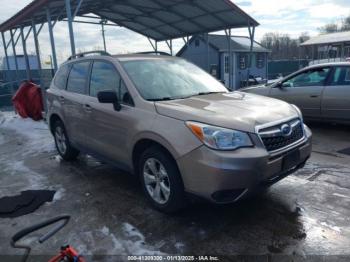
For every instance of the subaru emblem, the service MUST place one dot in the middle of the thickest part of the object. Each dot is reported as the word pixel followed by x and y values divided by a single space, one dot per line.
pixel 286 130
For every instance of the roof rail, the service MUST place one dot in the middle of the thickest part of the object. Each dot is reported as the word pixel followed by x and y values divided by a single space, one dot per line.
pixel 154 53
pixel 80 55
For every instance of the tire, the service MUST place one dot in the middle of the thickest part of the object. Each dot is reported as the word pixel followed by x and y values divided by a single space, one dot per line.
pixel 63 146
pixel 169 201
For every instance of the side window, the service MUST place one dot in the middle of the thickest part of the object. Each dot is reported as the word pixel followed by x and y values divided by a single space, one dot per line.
pixel 61 77
pixel 78 77
pixel 124 95
pixel 313 77
pixel 103 77
pixel 341 76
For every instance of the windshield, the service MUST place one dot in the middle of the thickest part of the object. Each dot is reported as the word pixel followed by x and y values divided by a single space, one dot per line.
pixel 169 79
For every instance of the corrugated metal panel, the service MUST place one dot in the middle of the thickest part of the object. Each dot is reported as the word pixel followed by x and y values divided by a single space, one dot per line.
pixel 338 37
pixel 157 19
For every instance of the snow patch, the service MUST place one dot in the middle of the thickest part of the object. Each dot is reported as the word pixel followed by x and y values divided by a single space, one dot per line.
pixel 37 134
pixel 137 245
pixel 127 241
pixel 59 194
pixel 334 228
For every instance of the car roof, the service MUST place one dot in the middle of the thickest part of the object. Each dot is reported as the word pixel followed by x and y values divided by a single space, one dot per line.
pixel 328 64
pixel 131 57
pixel 124 57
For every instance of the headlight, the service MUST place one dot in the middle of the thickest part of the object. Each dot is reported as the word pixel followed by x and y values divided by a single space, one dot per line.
pixel 298 111
pixel 219 138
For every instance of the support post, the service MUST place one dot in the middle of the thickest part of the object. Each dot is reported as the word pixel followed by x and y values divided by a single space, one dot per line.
pixel 26 59
pixel 208 60
pixel 5 50
pixel 14 55
pixel 171 47
pixel 37 50
pixel 230 72
pixel 70 26
pixel 52 40
pixel 251 36
pixel 103 35
pixel 7 62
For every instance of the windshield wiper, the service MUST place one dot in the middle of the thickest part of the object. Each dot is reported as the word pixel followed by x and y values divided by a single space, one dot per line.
pixel 208 93
pixel 160 99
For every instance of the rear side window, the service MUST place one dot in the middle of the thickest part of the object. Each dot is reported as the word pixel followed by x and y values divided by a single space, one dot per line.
pixel 78 77
pixel 341 76
pixel 61 77
pixel 103 77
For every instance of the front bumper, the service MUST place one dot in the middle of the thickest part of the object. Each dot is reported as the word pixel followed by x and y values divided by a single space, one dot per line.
pixel 227 176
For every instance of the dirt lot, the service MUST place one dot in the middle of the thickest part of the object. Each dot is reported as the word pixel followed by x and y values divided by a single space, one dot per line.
pixel 305 215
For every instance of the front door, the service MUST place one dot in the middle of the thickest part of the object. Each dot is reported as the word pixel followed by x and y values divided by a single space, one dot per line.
pixel 336 96
pixel 304 90
pixel 108 130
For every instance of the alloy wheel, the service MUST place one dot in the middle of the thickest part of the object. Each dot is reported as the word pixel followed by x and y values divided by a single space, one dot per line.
pixel 156 181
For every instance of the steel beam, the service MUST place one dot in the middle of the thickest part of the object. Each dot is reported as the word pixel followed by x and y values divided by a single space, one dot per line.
pixel 41 27
pixel 170 45
pixel 77 9
pixel 103 34
pixel 230 75
pixel 26 59
pixel 70 26
pixel 28 33
pixel 208 58
pixel 52 40
pixel 36 43
pixel 154 46
pixel 5 51
pixel 91 23
pixel 251 36
pixel 14 54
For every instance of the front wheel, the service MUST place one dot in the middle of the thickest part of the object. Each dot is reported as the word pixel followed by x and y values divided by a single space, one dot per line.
pixel 161 180
pixel 63 146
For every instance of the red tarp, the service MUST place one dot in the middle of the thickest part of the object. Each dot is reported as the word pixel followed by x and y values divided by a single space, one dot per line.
pixel 28 101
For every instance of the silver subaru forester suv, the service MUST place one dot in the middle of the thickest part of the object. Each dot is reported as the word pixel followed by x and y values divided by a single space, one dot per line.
pixel 173 125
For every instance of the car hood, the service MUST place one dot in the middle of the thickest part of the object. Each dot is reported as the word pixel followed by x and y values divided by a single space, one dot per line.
pixel 255 87
pixel 240 111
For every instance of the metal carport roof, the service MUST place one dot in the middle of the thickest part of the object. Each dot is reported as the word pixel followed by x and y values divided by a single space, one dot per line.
pixel 157 19
pixel 332 38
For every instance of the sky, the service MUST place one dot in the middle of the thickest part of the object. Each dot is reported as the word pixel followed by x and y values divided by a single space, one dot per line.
pixel 284 16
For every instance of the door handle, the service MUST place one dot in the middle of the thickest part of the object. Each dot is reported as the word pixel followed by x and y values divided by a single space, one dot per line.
pixel 62 99
pixel 87 108
pixel 314 96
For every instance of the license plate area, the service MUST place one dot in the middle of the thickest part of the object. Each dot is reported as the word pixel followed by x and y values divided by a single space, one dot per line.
pixel 291 160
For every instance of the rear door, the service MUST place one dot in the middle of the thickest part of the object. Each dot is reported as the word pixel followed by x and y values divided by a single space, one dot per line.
pixel 73 99
pixel 304 90
pixel 336 96
pixel 108 130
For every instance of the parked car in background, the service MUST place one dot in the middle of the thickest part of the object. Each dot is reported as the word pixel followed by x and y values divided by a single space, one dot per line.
pixel 175 126
pixel 322 92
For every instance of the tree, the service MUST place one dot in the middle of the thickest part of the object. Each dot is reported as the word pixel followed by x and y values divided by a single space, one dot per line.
pixel 282 46
pixel 341 26
pixel 329 28
pixel 345 24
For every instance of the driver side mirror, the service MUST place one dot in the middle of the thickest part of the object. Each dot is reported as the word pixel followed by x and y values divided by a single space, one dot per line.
pixel 283 85
pixel 109 97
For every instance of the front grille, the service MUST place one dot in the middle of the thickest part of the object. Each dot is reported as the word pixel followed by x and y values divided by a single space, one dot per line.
pixel 274 139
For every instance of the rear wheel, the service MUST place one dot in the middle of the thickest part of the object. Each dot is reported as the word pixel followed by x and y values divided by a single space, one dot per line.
pixel 63 146
pixel 161 180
